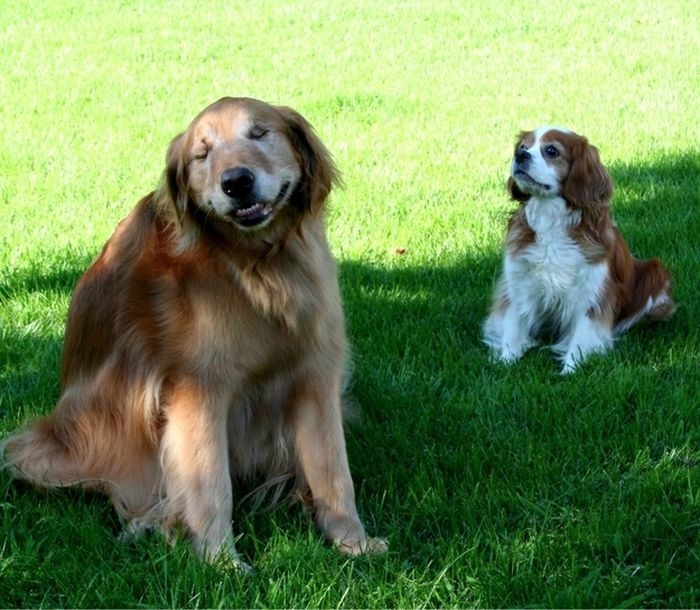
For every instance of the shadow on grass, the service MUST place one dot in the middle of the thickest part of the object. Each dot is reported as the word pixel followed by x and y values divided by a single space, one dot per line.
pixel 30 349
pixel 462 447
pixel 658 205
pixel 48 273
pixel 671 177
pixel 418 317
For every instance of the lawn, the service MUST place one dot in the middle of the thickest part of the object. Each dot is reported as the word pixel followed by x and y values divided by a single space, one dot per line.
pixel 496 486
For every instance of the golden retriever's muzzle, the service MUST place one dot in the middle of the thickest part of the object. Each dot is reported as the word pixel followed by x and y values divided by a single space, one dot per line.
pixel 248 208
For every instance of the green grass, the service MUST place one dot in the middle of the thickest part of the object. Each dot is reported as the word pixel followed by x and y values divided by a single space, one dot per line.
pixel 496 486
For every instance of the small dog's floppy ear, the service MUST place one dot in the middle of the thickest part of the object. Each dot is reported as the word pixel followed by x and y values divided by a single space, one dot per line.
pixel 588 184
pixel 319 172
pixel 513 189
pixel 515 192
pixel 176 175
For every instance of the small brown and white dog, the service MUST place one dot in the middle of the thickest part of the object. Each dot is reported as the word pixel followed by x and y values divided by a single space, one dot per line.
pixel 207 342
pixel 567 271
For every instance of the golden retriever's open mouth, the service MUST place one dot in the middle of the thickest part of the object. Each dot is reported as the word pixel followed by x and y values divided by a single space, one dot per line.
pixel 260 211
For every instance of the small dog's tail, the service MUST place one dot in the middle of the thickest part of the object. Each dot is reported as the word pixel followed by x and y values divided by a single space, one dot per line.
pixel 648 297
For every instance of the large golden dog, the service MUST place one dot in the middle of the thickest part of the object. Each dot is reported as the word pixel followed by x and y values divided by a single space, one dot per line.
pixel 207 341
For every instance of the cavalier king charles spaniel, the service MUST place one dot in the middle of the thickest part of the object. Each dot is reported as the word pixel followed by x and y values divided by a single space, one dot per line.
pixel 568 274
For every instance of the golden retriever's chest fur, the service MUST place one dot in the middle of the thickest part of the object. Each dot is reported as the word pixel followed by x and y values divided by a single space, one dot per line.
pixel 228 321
pixel 288 312
pixel 200 312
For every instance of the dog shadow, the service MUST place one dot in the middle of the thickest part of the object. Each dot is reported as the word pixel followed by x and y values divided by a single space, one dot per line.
pixel 657 206
pixel 31 348
pixel 419 366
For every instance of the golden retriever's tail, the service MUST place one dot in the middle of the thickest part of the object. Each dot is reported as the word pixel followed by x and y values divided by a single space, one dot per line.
pixel 269 493
pixel 39 456
pixel 36 455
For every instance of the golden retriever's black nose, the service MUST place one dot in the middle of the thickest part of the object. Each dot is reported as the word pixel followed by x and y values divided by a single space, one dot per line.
pixel 237 182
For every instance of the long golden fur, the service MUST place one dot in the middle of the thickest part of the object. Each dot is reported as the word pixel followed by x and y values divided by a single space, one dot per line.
pixel 207 341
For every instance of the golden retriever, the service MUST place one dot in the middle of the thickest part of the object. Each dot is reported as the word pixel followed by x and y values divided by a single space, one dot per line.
pixel 207 341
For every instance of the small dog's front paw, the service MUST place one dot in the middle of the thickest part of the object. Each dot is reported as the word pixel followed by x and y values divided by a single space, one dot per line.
pixel 507 356
pixel 568 368
pixel 513 348
pixel 571 360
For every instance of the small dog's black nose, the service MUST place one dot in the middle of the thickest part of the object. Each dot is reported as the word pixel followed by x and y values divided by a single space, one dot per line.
pixel 522 156
pixel 237 182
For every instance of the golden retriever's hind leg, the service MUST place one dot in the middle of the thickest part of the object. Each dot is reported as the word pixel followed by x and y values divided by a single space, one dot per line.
pixel 320 445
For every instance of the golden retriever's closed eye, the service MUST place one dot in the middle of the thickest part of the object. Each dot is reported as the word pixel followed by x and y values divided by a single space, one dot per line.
pixel 207 341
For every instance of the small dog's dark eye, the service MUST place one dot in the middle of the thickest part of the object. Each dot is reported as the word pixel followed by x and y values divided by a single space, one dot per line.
pixel 551 151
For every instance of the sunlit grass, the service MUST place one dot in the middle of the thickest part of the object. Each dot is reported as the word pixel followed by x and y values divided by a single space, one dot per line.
pixel 495 486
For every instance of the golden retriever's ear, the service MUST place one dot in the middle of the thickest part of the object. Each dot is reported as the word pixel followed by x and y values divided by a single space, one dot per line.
pixel 174 185
pixel 588 184
pixel 319 170
pixel 515 192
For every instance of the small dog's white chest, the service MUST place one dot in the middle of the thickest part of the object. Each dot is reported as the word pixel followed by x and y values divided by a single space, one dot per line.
pixel 553 267
pixel 554 264
pixel 554 272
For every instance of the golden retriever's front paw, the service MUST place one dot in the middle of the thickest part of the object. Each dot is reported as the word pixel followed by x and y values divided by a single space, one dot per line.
pixel 376 546
pixel 229 560
pixel 235 564
pixel 365 546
